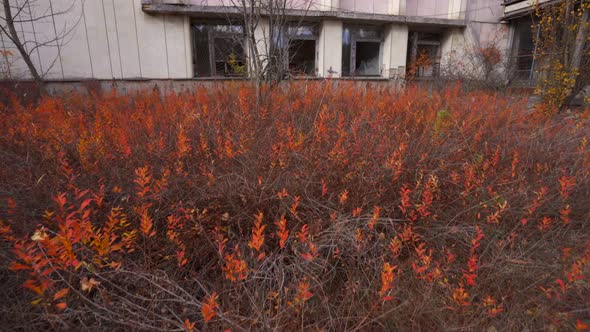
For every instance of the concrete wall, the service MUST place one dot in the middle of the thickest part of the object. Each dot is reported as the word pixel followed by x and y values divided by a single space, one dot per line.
pixel 107 39
pixel 293 4
pixel 395 49
pixel 115 39
pixel 430 8
pixel 330 49
pixel 484 29
pixel 518 6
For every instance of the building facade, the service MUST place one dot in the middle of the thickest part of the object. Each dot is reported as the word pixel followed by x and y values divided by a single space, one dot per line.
pixel 200 39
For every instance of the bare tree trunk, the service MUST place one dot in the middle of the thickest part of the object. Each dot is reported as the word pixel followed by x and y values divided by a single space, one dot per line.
pixel 578 53
pixel 13 36
pixel 270 67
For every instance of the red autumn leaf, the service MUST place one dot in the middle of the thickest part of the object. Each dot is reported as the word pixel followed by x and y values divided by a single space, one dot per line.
pixel 85 203
pixel 561 284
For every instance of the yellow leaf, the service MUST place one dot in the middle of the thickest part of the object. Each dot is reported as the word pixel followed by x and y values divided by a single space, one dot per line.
pixel 39 235
pixel 88 284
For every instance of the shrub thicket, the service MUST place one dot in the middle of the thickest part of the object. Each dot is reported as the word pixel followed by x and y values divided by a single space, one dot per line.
pixel 317 208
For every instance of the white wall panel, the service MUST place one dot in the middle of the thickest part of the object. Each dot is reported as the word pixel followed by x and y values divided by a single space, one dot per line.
pixel 97 40
pixel 46 28
pixel 13 67
pixel 395 48
pixel 152 44
pixel 330 45
pixel 112 31
pixel 27 32
pixel 125 13
pixel 74 45
pixel 177 45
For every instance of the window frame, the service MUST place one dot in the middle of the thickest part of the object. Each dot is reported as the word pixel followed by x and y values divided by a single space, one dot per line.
pixel 355 38
pixel 516 53
pixel 212 35
pixel 289 37
pixel 417 39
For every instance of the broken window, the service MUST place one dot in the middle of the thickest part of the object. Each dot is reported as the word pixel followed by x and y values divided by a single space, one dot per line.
pixel 302 57
pixel 297 43
pixel 523 50
pixel 302 49
pixel 218 50
pixel 424 54
pixel 361 50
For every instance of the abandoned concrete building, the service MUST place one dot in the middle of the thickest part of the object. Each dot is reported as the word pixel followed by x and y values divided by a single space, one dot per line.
pixel 200 39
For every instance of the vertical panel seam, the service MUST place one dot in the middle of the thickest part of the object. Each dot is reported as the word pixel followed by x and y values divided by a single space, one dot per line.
pixel 87 39
pixel 166 46
pixel 117 35
pixel 324 71
pixel 137 39
pixel 106 31
pixel 184 44
pixel 56 40
pixel 35 37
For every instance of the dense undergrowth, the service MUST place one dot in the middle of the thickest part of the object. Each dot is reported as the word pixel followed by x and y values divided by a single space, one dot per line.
pixel 320 208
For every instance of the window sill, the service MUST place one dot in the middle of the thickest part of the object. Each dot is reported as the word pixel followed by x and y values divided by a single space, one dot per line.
pixel 219 78
pixel 364 78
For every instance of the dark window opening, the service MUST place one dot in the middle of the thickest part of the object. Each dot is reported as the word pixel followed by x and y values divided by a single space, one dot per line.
pixel 346 54
pixel 201 64
pixel 523 50
pixel 302 57
pixel 229 59
pixel 296 45
pixel 361 51
pixel 218 50
pixel 423 54
pixel 367 58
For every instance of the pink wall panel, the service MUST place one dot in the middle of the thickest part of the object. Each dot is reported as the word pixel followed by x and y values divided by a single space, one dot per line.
pixel 432 8
pixel 477 10
pixel 381 6
pixel 426 7
pixel 347 4
pixel 485 10
pixel 303 4
pixel 206 2
pixel 441 9
pixel 412 7
pixel 365 6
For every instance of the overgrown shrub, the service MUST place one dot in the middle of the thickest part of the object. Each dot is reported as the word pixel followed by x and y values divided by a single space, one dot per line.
pixel 318 207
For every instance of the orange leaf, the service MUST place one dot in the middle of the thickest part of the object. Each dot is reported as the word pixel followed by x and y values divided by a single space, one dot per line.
pixel 61 306
pixel 61 294
pixel 190 327
pixel 343 197
pixel 86 203
pixel 581 326
pixel 209 307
